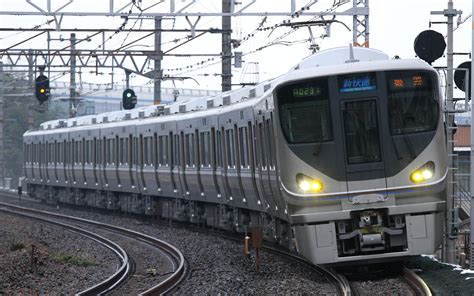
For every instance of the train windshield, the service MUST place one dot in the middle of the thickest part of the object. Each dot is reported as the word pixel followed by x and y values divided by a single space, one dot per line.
pixel 412 102
pixel 304 111
pixel 361 131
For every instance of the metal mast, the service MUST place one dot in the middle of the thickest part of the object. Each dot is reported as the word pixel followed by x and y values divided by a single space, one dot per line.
pixel 158 57
pixel 360 24
pixel 450 236
pixel 72 91
pixel 471 261
pixel 226 47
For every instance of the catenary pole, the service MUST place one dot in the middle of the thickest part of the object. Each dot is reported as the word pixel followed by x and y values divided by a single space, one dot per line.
pixel 72 90
pixel 226 47
pixel 158 58
pixel 471 241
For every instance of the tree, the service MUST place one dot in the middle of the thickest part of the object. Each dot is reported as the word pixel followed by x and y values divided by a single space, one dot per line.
pixel 18 100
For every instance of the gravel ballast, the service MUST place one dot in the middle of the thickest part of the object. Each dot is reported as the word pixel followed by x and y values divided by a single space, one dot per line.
pixel 442 278
pixel 216 266
pixel 39 258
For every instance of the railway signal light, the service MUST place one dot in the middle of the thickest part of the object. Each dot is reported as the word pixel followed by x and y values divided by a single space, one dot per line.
pixel 42 90
pixel 129 99
pixel 429 46
pixel 460 77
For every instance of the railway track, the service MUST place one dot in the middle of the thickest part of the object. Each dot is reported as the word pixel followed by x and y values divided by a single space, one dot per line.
pixel 403 280
pixel 344 286
pixel 124 273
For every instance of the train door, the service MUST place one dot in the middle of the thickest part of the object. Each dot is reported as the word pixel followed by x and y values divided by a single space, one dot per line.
pixel 362 144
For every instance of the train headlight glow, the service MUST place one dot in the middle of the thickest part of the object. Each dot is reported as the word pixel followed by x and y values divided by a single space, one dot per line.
pixel 304 185
pixel 424 173
pixel 308 184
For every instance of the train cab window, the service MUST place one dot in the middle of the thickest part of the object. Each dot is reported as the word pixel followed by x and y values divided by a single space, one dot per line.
pixel 361 131
pixel 189 150
pixel 412 102
pixel 163 150
pixel 304 111
pixel 205 149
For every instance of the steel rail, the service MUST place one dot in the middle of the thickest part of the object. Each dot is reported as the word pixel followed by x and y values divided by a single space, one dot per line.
pixel 173 252
pixel 416 282
pixel 342 283
pixel 112 281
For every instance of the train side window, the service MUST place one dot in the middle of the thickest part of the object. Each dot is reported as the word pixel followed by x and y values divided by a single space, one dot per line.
pixel 163 153
pixel 189 150
pixel 46 153
pixel 218 147
pixel 145 149
pixel 79 152
pixel 243 147
pixel 72 149
pixel 263 148
pixel 154 152
pixel 87 152
pixel 230 148
pixel 205 149
pixel 64 152
pixel 149 150
pixel 176 151
pixel 53 153
pixel 270 144
pixel 122 151
pixel 129 150
pixel 108 154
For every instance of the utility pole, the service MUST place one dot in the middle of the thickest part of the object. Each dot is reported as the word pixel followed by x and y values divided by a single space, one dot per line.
pixel 158 58
pixel 2 150
pixel 72 90
pixel 31 87
pixel 450 231
pixel 471 241
pixel 226 47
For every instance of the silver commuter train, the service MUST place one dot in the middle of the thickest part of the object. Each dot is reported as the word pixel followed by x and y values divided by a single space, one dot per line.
pixel 343 157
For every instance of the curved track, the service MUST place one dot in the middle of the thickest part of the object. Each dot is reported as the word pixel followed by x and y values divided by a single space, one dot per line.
pixel 174 255
pixel 373 283
pixel 123 271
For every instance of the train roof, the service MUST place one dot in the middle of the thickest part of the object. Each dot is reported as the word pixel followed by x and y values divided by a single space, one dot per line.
pixel 328 62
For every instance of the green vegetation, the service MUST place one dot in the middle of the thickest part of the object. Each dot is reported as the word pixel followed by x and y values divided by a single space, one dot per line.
pixel 19 101
pixel 73 260
pixel 15 246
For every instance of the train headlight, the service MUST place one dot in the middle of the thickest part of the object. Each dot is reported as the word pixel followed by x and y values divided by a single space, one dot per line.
pixel 424 173
pixel 308 184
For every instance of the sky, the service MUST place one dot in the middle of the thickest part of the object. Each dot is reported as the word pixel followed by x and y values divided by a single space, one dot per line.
pixel 393 27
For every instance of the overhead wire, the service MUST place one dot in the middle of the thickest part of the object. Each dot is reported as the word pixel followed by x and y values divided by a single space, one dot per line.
pixel 278 40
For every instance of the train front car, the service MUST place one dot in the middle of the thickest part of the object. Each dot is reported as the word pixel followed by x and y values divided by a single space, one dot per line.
pixel 362 156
